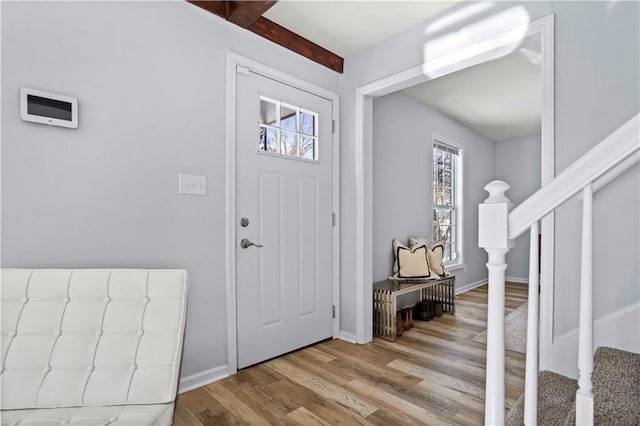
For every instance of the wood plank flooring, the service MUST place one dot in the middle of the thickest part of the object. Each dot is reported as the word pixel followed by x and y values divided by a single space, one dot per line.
pixel 433 374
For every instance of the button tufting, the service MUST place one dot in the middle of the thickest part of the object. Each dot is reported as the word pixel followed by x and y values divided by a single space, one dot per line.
pixel 107 299
pixel 140 332
pixel 99 333
pixel 65 300
pixel 24 299
pixel 145 300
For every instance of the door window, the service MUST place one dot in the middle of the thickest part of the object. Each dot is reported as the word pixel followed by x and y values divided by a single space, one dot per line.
pixel 287 130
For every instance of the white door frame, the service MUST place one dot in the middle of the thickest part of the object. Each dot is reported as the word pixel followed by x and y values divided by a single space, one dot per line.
pixel 233 61
pixel 543 29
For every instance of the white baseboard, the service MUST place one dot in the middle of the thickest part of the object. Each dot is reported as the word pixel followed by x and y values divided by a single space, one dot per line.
pixel 483 281
pixel 619 330
pixel 348 337
pixel 471 286
pixel 202 378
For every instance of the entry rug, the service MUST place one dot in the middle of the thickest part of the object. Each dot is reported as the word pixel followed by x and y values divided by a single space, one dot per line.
pixel 515 330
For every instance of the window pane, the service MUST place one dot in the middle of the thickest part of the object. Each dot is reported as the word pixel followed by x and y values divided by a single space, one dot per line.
pixel 438 218
pixel 447 252
pixel 307 147
pixel 268 139
pixel 262 139
pixel 444 199
pixel 437 233
pixel 289 143
pixel 288 118
pixel 307 123
pixel 267 112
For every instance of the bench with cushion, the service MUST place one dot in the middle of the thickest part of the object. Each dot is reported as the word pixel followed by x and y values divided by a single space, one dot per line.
pixel 90 346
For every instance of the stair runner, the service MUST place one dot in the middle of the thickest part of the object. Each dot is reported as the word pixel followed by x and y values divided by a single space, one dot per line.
pixel 616 389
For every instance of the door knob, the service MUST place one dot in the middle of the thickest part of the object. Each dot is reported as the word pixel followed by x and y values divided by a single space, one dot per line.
pixel 245 243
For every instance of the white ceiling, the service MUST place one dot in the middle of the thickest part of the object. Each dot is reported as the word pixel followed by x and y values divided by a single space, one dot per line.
pixel 500 99
pixel 346 27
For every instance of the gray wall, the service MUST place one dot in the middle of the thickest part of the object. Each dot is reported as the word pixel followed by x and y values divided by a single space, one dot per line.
pixel 518 164
pixel 597 51
pixel 402 164
pixel 150 79
pixel 597 90
pixel 105 194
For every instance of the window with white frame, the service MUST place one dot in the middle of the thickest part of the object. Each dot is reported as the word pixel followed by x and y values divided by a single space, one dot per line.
pixel 287 130
pixel 447 198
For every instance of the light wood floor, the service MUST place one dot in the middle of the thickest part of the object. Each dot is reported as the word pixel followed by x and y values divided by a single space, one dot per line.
pixel 433 374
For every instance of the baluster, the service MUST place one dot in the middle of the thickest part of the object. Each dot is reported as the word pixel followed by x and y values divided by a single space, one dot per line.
pixel 493 236
pixel 531 376
pixel 584 395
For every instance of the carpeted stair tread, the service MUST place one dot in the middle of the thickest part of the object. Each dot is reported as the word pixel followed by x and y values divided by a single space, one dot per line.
pixel 556 394
pixel 616 388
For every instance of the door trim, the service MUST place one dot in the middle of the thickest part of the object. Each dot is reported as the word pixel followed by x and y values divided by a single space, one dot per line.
pixel 233 61
pixel 543 28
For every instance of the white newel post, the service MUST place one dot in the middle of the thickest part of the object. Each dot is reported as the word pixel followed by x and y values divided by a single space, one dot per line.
pixel 493 236
pixel 584 395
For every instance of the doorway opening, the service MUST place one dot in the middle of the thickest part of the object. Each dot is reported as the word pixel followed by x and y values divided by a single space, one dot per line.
pixel 537 32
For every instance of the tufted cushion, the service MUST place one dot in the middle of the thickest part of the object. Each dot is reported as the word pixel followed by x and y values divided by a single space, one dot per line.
pixel 115 415
pixel 90 337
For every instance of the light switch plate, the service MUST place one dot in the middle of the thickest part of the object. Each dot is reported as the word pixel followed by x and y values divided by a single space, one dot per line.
pixel 192 184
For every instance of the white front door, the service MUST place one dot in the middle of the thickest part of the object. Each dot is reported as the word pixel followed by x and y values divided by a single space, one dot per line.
pixel 284 218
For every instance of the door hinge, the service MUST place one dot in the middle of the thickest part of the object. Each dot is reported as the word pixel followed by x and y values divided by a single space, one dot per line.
pixel 333 219
pixel 333 126
pixel 242 70
pixel 333 311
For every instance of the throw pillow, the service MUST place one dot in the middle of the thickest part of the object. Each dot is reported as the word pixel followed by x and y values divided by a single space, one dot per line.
pixel 435 255
pixel 416 241
pixel 394 246
pixel 412 263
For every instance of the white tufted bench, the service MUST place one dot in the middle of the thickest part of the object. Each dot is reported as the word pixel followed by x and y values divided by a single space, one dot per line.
pixel 90 346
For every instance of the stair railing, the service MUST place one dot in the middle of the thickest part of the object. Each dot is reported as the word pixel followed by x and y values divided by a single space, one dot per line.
pixel 499 227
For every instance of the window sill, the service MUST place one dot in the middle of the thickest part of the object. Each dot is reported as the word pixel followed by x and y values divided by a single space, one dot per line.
pixel 455 266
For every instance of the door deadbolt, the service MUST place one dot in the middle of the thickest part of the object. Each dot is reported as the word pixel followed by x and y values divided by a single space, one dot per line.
pixel 244 222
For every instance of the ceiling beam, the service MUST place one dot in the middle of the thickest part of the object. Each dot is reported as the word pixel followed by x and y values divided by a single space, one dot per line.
pixel 247 14
pixel 219 8
pixel 292 41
